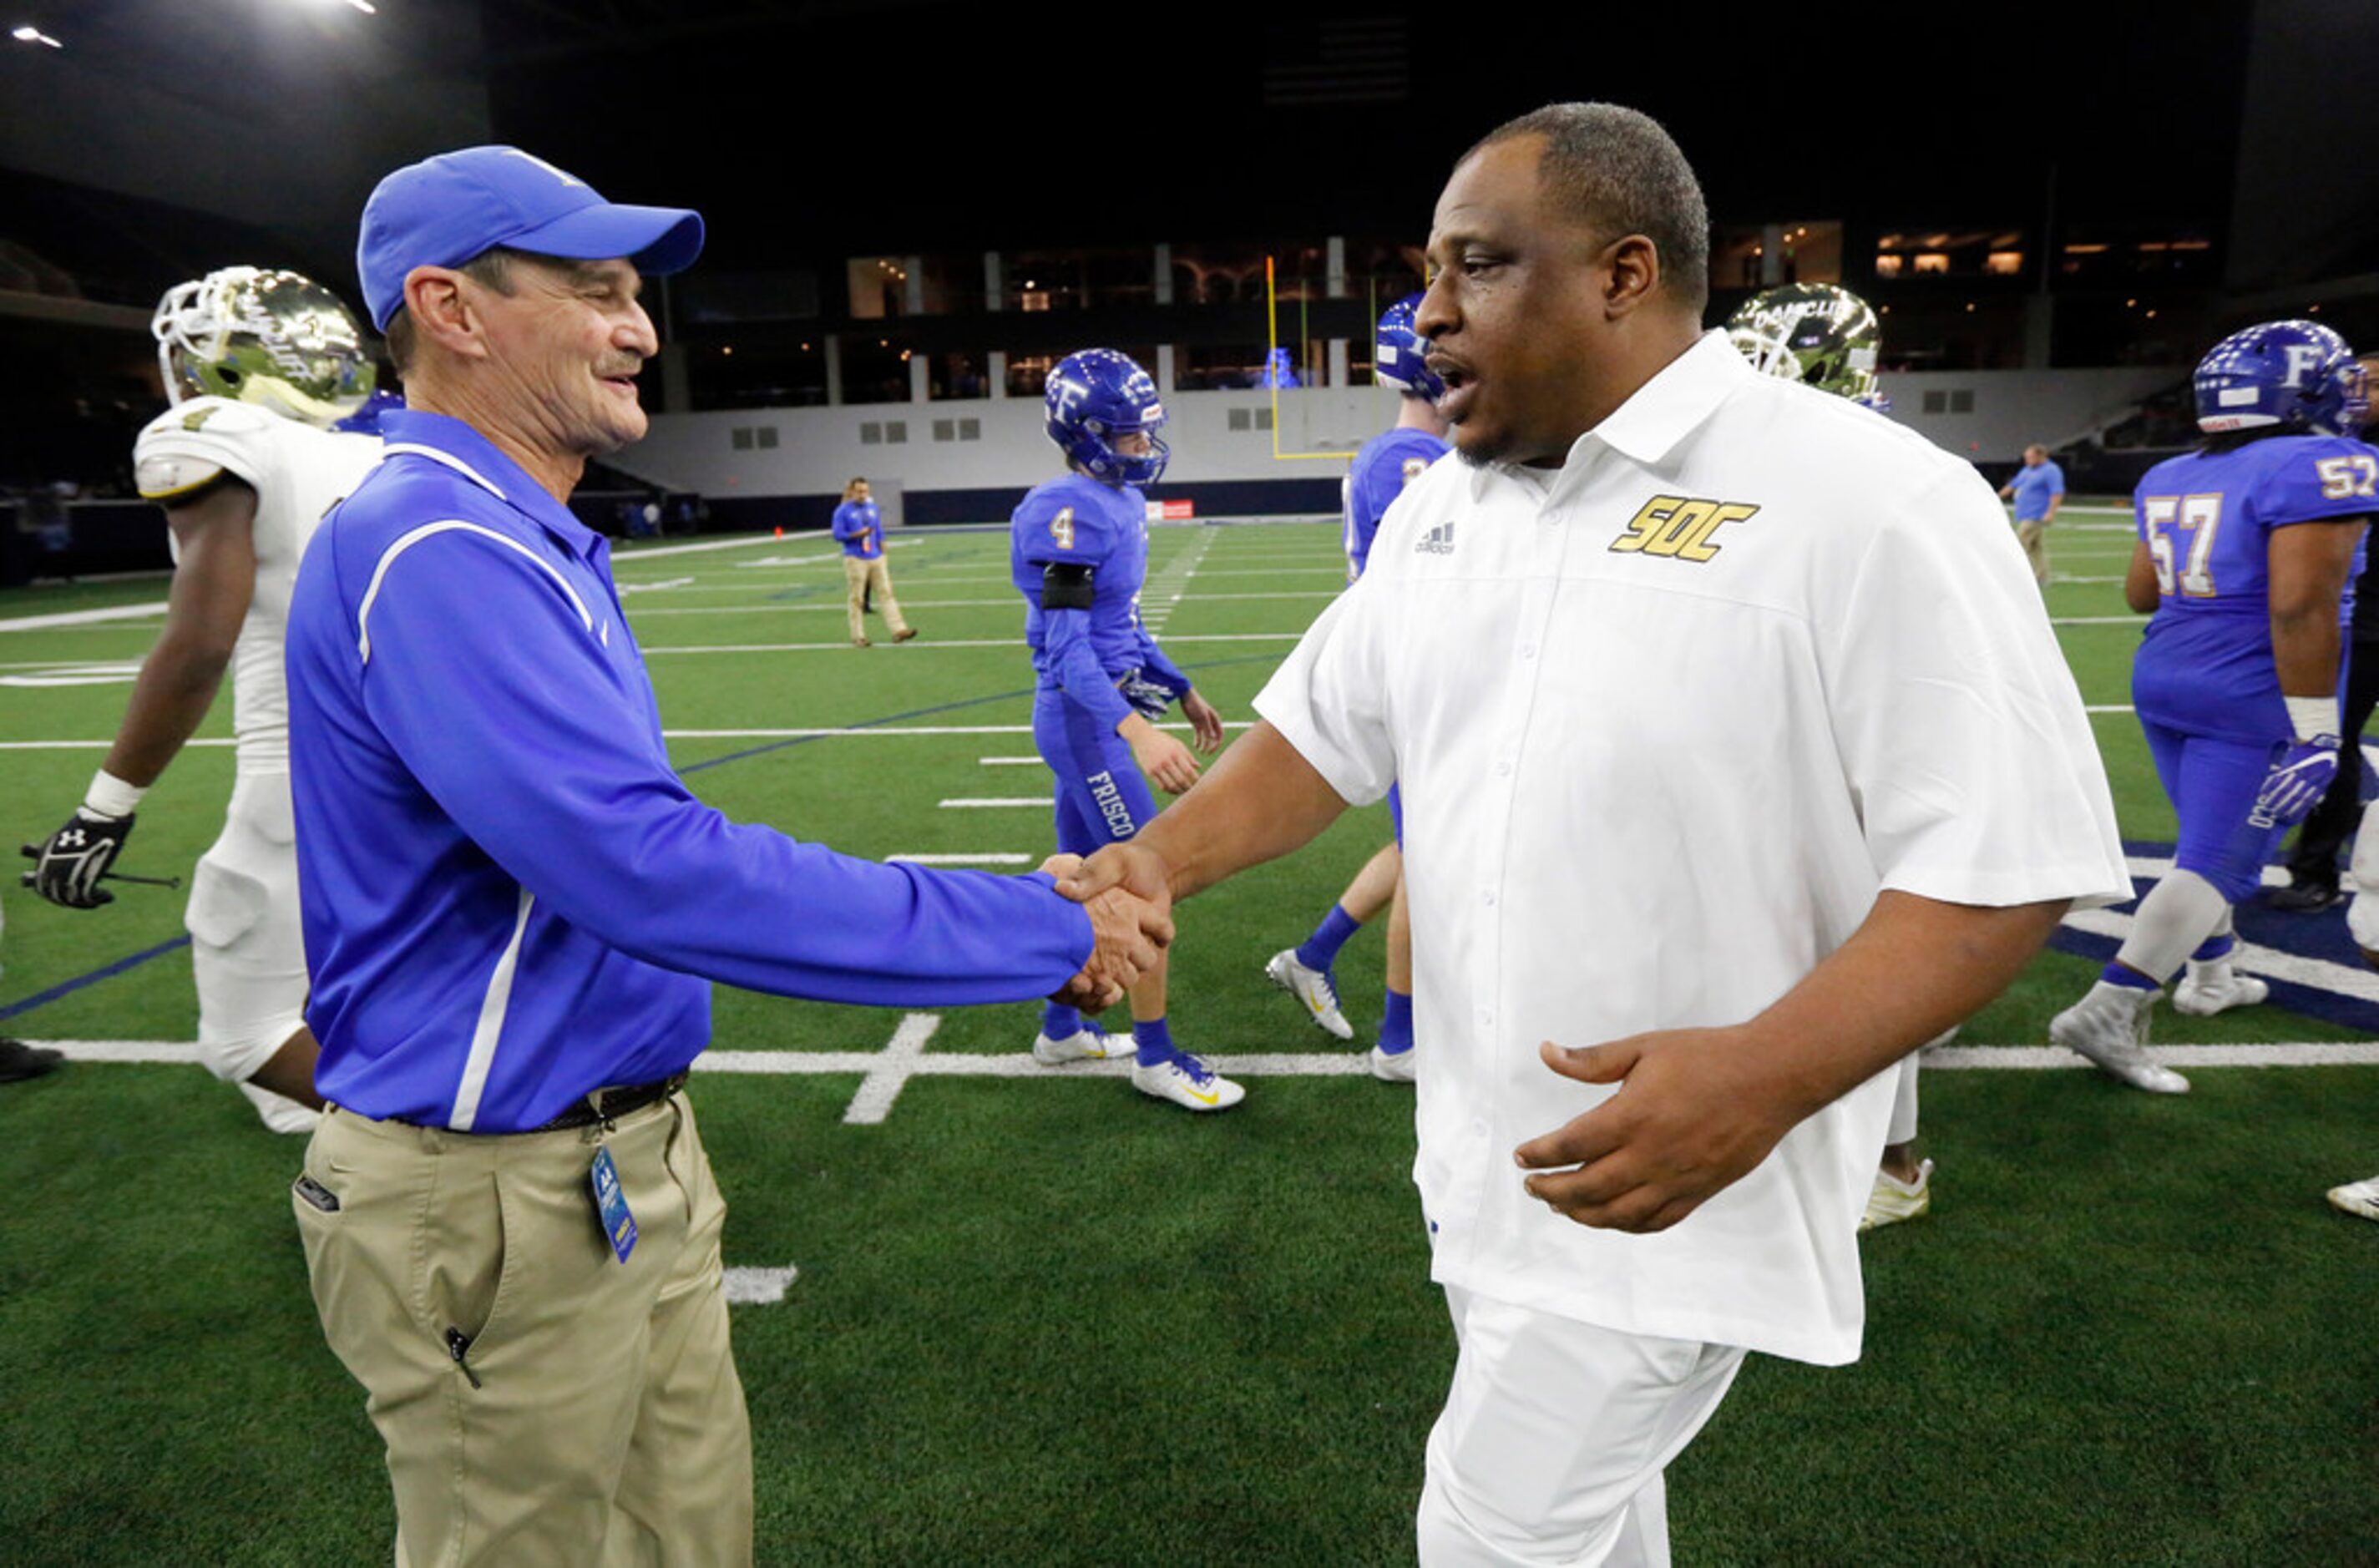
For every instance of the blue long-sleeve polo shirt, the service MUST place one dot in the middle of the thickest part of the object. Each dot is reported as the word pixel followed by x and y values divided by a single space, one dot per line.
pixel 510 899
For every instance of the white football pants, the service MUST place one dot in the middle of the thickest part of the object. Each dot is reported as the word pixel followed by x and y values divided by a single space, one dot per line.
pixel 1553 1437
pixel 247 951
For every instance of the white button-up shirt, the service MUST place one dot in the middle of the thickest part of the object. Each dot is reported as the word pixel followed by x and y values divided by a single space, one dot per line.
pixel 1668 718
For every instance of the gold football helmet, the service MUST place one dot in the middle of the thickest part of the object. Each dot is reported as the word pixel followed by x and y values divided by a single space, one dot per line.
pixel 1819 333
pixel 257 335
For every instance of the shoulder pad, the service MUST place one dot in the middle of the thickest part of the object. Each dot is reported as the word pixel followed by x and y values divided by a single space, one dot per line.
pixel 192 443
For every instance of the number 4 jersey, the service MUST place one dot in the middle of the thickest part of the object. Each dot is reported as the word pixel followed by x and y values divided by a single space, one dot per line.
pixel 2205 663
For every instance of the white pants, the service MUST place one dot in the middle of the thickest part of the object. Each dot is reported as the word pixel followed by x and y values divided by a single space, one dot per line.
pixel 247 948
pixel 1553 1437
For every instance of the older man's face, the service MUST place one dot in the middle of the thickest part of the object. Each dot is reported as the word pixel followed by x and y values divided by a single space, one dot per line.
pixel 570 339
pixel 1512 314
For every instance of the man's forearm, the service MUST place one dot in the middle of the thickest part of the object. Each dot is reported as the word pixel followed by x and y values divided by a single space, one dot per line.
pixel 1259 800
pixel 2305 646
pixel 170 698
pixel 1914 967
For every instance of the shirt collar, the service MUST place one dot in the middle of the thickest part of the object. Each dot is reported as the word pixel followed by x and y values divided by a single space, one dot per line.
pixel 1658 415
pixel 478 459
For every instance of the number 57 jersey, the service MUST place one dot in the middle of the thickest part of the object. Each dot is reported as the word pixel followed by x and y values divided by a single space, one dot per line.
pixel 2205 663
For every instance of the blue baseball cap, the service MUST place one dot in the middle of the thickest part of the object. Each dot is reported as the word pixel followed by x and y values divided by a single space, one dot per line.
pixel 444 211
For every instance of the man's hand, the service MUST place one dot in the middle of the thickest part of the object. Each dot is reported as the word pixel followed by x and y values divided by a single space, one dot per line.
pixel 71 861
pixel 1128 933
pixel 1205 724
pixel 2297 782
pixel 1163 758
pixel 1131 866
pixel 1692 1113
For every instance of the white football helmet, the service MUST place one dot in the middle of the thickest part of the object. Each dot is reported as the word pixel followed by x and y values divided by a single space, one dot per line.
pixel 257 335
pixel 1819 333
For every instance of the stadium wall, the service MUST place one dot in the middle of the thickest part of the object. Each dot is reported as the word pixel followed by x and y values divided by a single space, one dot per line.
pixel 969 461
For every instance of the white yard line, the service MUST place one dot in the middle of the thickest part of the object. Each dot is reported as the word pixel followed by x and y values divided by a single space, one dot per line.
pixel 841 734
pixel 83 617
pixel 885 1072
pixel 893 1068
pixel 1010 762
pixel 989 858
pixel 971 803
pixel 759 1287
pixel 930 645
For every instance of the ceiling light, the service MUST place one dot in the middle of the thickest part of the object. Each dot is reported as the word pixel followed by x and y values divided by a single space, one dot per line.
pixel 35 35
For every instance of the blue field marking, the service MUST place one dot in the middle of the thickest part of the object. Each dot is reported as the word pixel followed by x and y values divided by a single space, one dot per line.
pixel 2319 935
pixel 934 711
pixel 68 987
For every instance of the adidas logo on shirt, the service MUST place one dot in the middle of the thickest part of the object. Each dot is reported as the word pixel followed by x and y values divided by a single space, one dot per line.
pixel 1437 541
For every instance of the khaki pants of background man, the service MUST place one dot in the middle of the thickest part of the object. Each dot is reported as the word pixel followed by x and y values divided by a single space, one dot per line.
pixel 2034 538
pixel 863 578
pixel 593 1414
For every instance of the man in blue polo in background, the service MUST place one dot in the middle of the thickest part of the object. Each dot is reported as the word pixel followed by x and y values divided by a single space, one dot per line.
pixel 2038 488
pixel 513 909
pixel 859 524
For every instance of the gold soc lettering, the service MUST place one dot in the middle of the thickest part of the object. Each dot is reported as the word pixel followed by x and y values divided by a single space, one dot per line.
pixel 1678 527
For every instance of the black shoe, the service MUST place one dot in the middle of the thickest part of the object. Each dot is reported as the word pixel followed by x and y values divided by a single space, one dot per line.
pixel 2306 898
pixel 20 1060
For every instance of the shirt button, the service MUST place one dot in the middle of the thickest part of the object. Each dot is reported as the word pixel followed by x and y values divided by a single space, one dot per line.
pixel 1479 1130
pixel 1503 770
pixel 1488 898
pixel 1528 650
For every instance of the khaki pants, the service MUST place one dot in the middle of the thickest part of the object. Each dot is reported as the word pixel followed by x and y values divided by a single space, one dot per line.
pixel 862 577
pixel 2034 538
pixel 606 1424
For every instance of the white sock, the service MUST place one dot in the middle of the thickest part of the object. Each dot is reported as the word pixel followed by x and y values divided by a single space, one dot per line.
pixel 2177 915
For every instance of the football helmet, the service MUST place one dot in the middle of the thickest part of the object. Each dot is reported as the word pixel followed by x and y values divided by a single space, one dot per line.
pixel 1094 396
pixel 263 336
pixel 1820 334
pixel 2298 375
pixel 1397 349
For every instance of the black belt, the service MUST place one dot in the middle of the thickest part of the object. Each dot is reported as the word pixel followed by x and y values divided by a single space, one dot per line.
pixel 609 1104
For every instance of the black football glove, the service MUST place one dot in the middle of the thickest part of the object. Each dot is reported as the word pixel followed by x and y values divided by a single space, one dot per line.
pixel 70 862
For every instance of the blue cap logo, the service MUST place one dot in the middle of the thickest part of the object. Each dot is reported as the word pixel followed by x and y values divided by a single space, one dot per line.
pixel 444 211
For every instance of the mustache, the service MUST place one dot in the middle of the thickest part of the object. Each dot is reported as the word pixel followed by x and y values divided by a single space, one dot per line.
pixel 630 367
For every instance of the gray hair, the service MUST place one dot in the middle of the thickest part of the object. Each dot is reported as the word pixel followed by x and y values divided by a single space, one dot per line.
pixel 1619 172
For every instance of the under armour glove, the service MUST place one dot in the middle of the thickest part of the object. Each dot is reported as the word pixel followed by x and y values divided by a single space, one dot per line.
pixel 70 862
pixel 2297 782
pixel 1148 694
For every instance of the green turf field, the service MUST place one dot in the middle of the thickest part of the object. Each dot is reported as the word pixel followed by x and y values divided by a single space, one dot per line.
pixel 1038 1319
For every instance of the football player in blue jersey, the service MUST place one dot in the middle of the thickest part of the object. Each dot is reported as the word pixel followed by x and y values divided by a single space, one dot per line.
pixel 2245 550
pixel 1387 464
pixel 1078 550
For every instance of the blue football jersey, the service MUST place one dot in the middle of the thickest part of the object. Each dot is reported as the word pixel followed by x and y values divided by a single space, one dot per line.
pixel 1386 465
pixel 1079 521
pixel 2205 662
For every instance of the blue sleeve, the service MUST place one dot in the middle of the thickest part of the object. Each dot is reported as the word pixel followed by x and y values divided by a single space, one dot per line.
pixel 2318 479
pixel 843 527
pixel 2056 480
pixel 1154 665
pixel 1066 644
pixel 500 700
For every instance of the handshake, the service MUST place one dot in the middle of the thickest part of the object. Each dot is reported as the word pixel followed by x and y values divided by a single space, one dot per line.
pixel 1124 891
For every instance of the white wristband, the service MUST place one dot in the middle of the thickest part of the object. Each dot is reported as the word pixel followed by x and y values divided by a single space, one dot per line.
pixel 111 796
pixel 2312 717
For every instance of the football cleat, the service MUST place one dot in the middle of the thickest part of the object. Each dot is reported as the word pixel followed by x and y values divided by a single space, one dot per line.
pixel 1089 1044
pixel 2359 1197
pixel 1183 1080
pixel 2306 898
pixel 19 1060
pixel 2210 988
pixel 2111 1030
pixel 1891 1200
pixel 1313 987
pixel 1394 1067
